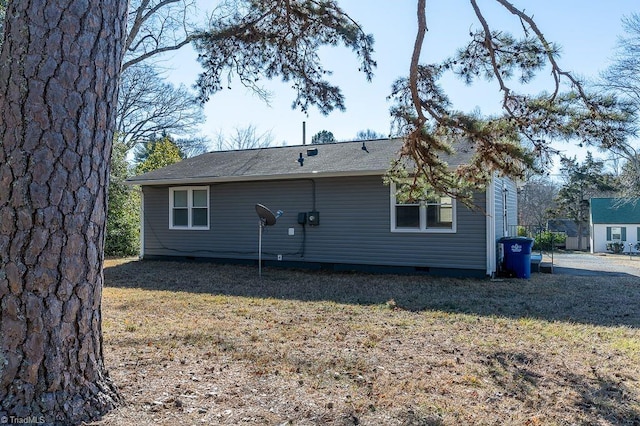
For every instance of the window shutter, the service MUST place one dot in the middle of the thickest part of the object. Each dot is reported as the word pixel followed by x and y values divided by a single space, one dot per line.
pixel 623 236
pixel 608 233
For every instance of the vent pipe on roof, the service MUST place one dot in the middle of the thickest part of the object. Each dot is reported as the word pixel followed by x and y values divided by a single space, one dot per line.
pixel 304 133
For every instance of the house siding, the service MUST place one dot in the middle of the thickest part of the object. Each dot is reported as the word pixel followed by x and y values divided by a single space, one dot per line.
pixel 354 226
pixel 506 215
pixel 600 236
pixel 512 202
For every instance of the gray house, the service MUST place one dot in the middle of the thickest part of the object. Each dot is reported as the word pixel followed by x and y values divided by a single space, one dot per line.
pixel 338 213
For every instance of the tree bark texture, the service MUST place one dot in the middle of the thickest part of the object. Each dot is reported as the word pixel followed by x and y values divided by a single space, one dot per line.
pixel 59 73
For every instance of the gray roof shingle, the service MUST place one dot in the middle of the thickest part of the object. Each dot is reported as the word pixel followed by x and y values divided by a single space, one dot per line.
pixel 333 159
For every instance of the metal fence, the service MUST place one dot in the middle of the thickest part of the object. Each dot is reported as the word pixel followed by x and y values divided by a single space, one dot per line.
pixel 546 243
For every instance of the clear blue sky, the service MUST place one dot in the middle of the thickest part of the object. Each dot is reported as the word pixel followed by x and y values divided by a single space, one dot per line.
pixel 586 30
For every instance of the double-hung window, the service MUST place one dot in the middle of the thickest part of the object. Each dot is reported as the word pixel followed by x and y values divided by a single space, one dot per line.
pixel 189 207
pixel 616 233
pixel 428 213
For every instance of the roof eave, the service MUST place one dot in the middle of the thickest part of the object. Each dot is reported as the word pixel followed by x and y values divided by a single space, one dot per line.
pixel 223 179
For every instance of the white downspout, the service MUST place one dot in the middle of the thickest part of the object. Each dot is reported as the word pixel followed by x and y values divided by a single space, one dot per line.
pixel 141 255
pixel 491 226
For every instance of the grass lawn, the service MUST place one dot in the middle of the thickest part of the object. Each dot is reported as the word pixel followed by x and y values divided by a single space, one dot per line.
pixel 194 344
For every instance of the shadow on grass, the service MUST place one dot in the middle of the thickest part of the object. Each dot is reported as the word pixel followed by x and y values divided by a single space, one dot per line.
pixel 602 400
pixel 597 300
pixel 606 398
pixel 589 272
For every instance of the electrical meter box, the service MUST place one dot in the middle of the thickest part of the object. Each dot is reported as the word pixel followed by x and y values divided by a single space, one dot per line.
pixel 302 218
pixel 313 218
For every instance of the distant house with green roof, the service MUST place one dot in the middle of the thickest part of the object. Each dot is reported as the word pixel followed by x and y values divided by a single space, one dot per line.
pixel 614 220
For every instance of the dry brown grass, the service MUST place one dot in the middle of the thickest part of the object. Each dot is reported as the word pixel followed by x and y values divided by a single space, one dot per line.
pixel 211 344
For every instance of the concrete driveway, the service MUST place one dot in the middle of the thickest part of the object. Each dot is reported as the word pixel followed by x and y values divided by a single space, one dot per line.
pixel 585 264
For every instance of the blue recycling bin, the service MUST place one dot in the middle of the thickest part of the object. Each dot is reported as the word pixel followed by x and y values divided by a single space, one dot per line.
pixel 517 255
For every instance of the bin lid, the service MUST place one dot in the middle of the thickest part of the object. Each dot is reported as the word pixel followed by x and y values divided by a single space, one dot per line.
pixel 517 245
pixel 516 239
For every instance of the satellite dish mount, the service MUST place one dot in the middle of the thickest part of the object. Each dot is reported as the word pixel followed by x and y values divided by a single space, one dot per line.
pixel 266 218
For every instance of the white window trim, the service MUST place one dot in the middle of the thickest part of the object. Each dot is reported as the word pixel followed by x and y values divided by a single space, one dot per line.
pixel 189 190
pixel 423 218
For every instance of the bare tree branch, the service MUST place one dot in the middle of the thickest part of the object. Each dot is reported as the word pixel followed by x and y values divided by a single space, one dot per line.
pixel 623 79
pixel 148 106
pixel 147 55
pixel 415 59
pixel 243 138
pixel 157 27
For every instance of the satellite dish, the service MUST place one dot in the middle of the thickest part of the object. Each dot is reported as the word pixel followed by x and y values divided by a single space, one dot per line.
pixel 266 216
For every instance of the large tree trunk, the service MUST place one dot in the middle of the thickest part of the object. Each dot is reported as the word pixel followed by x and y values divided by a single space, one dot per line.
pixel 59 72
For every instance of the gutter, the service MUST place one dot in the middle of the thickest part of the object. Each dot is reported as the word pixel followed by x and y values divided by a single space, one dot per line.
pixel 142 209
pixel 223 179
